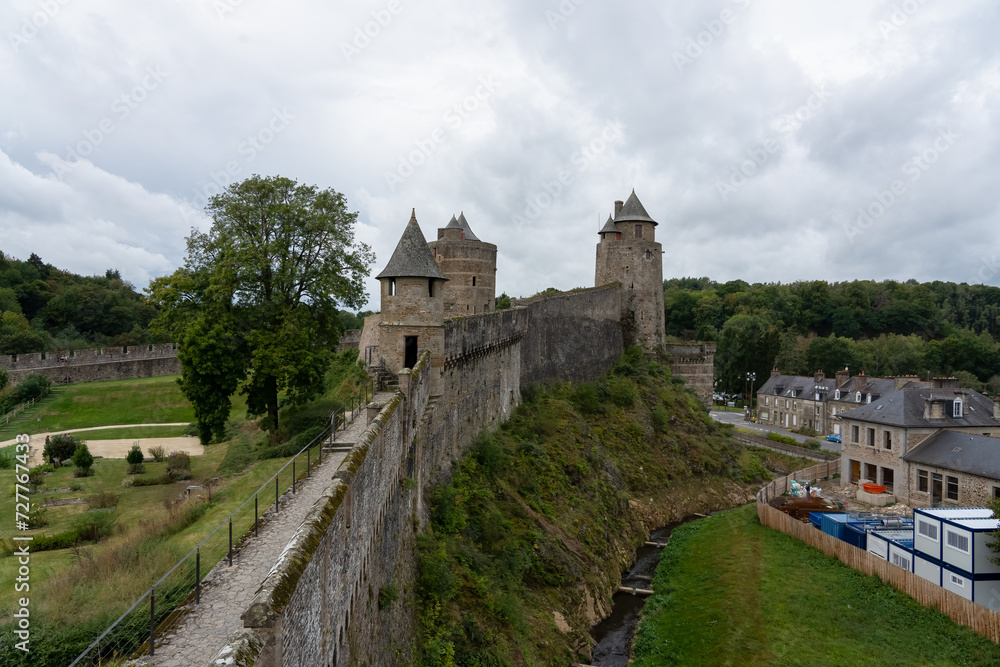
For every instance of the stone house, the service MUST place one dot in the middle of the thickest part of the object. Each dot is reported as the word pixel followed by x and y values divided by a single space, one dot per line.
pixel 878 435
pixel 794 401
pixel 953 468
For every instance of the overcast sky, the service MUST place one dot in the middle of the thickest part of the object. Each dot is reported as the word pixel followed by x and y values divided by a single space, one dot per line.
pixel 772 141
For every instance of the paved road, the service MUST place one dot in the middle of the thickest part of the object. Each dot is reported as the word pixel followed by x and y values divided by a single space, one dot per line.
pixel 736 418
pixel 227 591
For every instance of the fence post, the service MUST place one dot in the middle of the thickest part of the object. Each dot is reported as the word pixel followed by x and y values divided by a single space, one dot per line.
pixel 293 475
pixel 255 515
pixel 275 493
pixel 308 456
pixel 152 619
pixel 230 541
pixel 197 576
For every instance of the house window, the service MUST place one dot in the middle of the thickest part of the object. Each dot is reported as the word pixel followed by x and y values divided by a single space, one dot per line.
pixel 956 541
pixel 922 480
pixel 795 420
pixel 817 410
pixel 638 231
pixel 767 400
pixel 786 403
pixel 957 410
pixel 871 472
pixel 869 399
pixel 854 434
pixel 928 530
pixel 996 493
pixel 900 560
pixel 958 581
pixel 795 405
pixel 858 397
pixel 836 396
pixel 871 437
pixel 952 487
pixel 886 439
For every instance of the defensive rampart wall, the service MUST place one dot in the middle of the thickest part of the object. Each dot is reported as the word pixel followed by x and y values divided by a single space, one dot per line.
pixel 109 363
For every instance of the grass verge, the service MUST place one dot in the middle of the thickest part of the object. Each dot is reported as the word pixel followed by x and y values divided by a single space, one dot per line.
pixel 732 592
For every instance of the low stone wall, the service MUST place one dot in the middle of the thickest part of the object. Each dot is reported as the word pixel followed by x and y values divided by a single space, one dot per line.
pixel 575 336
pixel 109 363
pixel 350 339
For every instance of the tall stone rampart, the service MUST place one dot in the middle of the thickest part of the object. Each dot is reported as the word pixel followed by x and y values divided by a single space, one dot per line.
pixel 92 365
pixel 574 336
pixel 695 362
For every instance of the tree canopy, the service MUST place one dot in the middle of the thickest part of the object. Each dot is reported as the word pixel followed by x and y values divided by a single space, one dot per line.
pixel 255 306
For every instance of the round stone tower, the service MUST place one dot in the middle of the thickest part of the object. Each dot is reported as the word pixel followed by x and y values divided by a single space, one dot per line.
pixel 412 303
pixel 471 267
pixel 629 254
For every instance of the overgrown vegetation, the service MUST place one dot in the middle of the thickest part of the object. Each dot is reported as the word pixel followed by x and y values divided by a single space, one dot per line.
pixel 730 591
pixel 550 501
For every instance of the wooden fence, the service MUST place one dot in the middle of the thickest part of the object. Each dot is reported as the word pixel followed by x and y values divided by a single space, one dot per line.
pixel 965 612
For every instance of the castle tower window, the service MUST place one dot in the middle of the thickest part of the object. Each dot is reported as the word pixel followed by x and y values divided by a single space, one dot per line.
pixel 473 281
pixel 392 287
pixel 618 236
pixel 430 287
pixel 409 351
pixel 638 231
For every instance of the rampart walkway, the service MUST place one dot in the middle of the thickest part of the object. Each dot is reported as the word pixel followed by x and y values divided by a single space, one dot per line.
pixel 227 591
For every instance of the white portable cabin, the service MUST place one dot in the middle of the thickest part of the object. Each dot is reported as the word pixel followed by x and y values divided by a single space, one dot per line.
pixel 928 524
pixel 964 545
pixel 895 546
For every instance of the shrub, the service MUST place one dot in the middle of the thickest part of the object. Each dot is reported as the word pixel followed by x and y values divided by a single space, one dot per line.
pixel 179 461
pixel 151 481
pixel 60 447
pixel 158 453
pixel 490 454
pixel 35 478
pixel 76 486
pixel 53 542
pixel 8 457
pixel 103 500
pixel 128 482
pixel 134 456
pixel 32 386
pixel 587 400
pixel 293 446
pixel 622 392
pixel 95 525
pixel 82 459
pixel 660 418
pixel 37 517
pixel 777 437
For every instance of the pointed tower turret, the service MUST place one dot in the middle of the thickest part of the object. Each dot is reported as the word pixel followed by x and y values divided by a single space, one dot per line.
pixel 471 267
pixel 629 254
pixel 412 318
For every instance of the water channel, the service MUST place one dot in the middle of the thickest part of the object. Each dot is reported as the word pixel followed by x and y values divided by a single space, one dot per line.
pixel 614 634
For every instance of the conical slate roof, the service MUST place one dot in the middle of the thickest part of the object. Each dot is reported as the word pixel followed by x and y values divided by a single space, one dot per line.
pixel 453 224
pixel 633 211
pixel 412 258
pixel 609 227
pixel 469 236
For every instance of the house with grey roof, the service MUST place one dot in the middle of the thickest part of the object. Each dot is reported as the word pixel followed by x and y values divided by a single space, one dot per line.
pixel 877 436
pixel 794 401
pixel 953 468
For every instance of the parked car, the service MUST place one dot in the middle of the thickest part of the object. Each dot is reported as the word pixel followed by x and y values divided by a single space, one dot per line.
pixel 834 437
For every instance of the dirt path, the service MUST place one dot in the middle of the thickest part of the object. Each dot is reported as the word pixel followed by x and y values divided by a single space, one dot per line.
pixel 118 448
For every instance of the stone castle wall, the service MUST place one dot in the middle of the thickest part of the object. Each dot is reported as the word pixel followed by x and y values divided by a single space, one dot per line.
pixel 575 336
pixel 109 363
pixel 695 362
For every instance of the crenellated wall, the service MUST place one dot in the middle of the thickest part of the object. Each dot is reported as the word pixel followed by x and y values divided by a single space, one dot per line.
pixel 695 362
pixel 574 336
pixel 109 363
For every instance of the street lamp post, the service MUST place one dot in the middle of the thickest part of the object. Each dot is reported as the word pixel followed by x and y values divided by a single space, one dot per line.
pixel 751 378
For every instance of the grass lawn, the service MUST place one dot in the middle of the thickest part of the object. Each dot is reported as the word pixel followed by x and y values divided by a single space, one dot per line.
pixel 732 592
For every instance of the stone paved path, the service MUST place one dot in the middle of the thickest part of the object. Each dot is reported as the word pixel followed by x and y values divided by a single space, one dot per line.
pixel 226 591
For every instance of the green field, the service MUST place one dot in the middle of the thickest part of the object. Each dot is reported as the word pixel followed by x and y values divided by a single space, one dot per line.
pixel 732 592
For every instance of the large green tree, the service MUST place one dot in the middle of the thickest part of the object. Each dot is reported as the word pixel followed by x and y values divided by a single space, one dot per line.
pixel 256 305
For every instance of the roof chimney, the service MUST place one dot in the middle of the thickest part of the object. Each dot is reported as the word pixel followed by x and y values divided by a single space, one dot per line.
pixel 900 380
pixel 946 383
pixel 774 372
pixel 819 377
pixel 618 206
pixel 996 410
pixel 842 377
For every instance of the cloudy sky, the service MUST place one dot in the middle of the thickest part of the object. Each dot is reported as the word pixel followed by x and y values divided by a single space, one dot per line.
pixel 773 141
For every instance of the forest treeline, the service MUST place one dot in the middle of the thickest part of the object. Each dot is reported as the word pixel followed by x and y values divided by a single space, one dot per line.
pixel 879 328
pixel 43 308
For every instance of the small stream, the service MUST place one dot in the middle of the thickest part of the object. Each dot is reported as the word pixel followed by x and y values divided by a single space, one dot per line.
pixel 614 634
